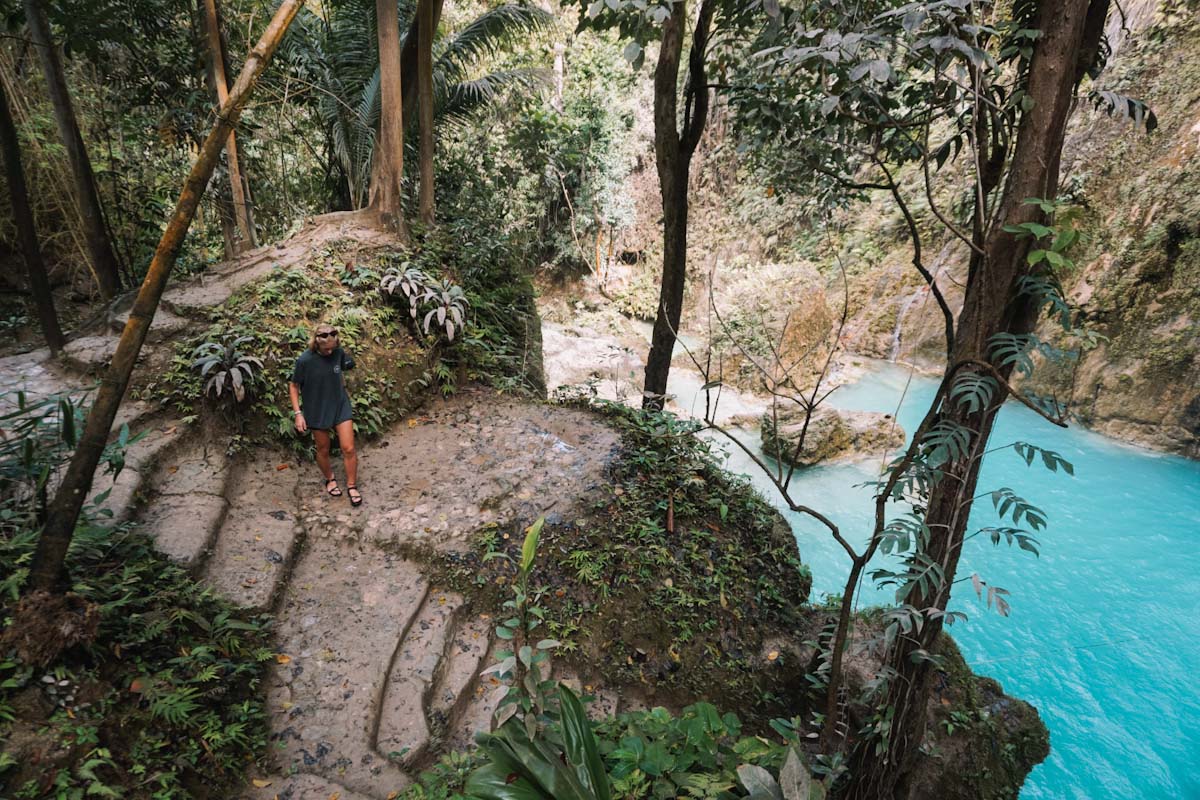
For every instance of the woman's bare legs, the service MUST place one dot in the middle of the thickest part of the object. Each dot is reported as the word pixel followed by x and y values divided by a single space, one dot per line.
pixel 345 434
pixel 323 443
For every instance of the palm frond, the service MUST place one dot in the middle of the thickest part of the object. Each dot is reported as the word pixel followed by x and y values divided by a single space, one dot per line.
pixel 456 102
pixel 487 35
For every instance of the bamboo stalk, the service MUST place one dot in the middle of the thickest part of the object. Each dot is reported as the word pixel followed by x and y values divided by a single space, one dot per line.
pixel 49 562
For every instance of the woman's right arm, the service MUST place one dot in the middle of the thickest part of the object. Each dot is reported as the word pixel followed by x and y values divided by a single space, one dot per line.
pixel 294 393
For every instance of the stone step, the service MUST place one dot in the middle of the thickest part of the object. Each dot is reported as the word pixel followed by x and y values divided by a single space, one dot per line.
pixel 403 734
pixel 344 613
pixel 165 325
pixel 187 485
pixel 141 458
pixel 478 701
pixel 460 669
pixel 39 377
pixel 259 539
pixel 90 354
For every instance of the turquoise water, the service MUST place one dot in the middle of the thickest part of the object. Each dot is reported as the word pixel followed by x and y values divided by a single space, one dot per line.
pixel 1103 634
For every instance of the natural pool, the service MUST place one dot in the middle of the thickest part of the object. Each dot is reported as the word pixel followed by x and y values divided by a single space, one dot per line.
pixel 1104 635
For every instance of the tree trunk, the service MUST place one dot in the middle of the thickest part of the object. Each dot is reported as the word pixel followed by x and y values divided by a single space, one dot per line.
pixel 48 568
pixel 104 262
pixel 556 100
pixel 39 283
pixel 425 106
pixel 673 155
pixel 408 62
pixel 993 304
pixel 243 215
pixel 387 173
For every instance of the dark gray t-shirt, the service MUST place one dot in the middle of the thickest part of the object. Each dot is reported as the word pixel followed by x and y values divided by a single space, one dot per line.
pixel 323 397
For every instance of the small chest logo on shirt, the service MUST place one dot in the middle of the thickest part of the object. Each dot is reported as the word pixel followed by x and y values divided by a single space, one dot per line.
pixel 337 370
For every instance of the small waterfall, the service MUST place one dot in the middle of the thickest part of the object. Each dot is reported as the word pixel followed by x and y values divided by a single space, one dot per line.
pixel 912 298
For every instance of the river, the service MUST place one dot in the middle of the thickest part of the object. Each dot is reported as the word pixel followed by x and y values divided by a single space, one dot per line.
pixel 1102 636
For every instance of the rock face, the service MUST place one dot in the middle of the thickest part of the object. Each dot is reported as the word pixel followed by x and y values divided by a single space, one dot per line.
pixel 979 744
pixel 580 356
pixel 843 435
pixel 968 719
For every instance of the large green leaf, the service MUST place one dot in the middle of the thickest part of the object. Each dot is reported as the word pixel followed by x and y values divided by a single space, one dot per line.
pixel 582 749
pixel 493 782
pixel 510 749
pixel 529 547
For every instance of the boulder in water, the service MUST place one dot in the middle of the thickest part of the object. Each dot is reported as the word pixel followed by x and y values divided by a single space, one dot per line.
pixel 831 434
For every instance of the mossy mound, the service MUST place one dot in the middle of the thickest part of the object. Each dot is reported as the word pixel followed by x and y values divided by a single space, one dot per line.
pixel 980 743
pixel 398 359
pixel 674 584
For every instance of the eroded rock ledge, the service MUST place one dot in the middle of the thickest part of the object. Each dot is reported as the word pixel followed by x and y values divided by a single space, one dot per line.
pixel 828 436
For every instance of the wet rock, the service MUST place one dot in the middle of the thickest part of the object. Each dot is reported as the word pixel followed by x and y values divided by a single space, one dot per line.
pixel 90 353
pixel 829 435
pixel 259 539
pixel 325 688
pixel 464 660
pixel 575 356
pixel 298 787
pixel 184 526
pixel 403 722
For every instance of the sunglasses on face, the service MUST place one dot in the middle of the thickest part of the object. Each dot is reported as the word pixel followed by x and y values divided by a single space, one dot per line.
pixel 327 334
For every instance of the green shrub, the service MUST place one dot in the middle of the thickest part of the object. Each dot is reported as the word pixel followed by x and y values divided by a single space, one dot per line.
pixel 165 698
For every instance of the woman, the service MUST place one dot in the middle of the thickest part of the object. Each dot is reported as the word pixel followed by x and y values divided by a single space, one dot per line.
pixel 317 386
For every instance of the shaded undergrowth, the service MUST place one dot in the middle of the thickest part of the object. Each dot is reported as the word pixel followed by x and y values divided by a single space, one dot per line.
pixel 164 702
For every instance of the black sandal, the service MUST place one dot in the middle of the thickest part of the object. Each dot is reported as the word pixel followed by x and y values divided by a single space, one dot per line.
pixel 335 491
pixel 352 488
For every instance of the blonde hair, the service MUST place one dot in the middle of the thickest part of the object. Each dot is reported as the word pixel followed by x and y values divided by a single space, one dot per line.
pixel 312 340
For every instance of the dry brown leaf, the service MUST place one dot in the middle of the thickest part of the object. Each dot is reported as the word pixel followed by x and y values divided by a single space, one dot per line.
pixel 773 655
pixel 281 467
pixel 260 783
pixel 283 659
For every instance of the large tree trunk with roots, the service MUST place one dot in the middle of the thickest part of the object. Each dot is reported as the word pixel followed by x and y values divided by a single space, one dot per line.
pixel 243 214
pixel 100 250
pixel 48 568
pixel 39 283
pixel 993 304
pixel 673 153
pixel 387 172
pixel 425 27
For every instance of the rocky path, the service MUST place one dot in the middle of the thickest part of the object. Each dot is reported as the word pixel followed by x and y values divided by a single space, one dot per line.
pixel 377 669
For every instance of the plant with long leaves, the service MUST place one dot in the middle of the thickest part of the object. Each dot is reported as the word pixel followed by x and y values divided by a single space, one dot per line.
pixel 37 437
pixel 564 764
pixel 425 299
pixel 230 368
pixel 526 692
pixel 408 282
